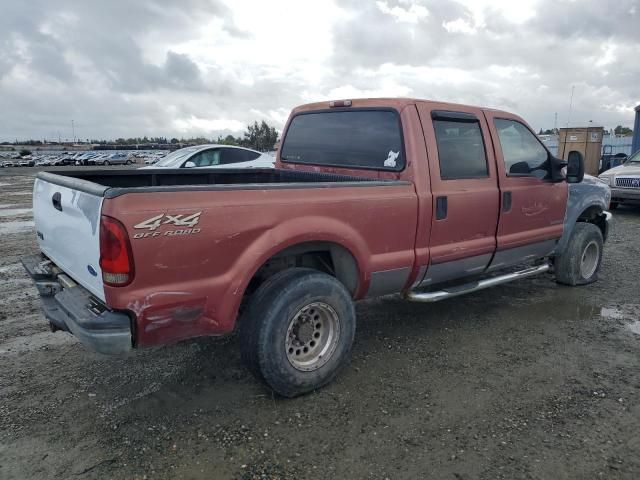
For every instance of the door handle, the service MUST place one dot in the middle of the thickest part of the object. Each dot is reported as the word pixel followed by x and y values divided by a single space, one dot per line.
pixel 441 208
pixel 506 201
pixel 56 199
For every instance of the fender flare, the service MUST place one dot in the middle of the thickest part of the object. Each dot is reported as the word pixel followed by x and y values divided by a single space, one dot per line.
pixel 288 234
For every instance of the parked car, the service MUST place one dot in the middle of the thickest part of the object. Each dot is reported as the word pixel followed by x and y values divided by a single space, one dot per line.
pixel 215 156
pixel 624 181
pixel 369 197
pixel 115 159
pixel 26 163
pixel 7 164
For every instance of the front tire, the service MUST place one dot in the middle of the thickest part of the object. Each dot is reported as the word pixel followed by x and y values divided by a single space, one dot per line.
pixel 580 263
pixel 613 205
pixel 106 162
pixel 297 331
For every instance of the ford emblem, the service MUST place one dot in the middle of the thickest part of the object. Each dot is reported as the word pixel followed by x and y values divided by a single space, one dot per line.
pixel 92 271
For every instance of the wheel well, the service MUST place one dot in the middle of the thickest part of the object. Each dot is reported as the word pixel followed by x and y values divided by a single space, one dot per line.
pixel 594 214
pixel 326 257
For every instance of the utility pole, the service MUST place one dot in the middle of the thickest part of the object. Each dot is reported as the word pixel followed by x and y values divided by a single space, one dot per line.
pixel 555 122
pixel 73 131
pixel 573 87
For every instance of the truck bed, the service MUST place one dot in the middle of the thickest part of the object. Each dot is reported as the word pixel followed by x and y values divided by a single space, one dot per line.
pixel 113 183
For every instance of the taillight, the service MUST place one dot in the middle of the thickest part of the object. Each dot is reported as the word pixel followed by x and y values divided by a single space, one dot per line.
pixel 116 260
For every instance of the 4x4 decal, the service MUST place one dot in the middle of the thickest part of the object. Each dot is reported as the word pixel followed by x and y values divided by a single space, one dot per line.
pixel 187 221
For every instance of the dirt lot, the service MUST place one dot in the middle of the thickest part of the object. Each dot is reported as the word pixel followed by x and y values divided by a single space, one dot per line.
pixel 528 380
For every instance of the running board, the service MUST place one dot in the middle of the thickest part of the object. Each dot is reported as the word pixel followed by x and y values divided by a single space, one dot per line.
pixel 438 295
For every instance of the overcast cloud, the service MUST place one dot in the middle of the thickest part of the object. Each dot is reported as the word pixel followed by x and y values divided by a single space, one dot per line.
pixel 127 68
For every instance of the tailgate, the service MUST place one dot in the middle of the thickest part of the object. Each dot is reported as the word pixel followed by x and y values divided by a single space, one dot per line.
pixel 67 224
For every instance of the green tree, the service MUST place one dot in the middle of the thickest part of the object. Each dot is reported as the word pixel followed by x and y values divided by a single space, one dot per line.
pixel 228 140
pixel 260 137
pixel 620 130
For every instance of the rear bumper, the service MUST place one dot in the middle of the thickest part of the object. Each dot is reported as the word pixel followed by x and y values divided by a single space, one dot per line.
pixel 71 308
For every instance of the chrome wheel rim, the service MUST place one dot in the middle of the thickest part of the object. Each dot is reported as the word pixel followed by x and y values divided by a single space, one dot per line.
pixel 312 336
pixel 589 261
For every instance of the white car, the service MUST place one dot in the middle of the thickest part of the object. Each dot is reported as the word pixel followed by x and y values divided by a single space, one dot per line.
pixel 215 156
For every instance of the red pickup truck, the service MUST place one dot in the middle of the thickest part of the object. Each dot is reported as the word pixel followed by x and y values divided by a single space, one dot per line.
pixel 368 197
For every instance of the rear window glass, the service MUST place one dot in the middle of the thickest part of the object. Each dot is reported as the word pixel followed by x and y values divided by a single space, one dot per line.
pixel 359 138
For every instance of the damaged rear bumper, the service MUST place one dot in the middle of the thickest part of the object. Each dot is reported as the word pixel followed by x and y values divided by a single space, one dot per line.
pixel 70 307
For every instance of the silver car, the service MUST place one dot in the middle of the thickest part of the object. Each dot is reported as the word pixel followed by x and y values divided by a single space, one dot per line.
pixel 115 159
pixel 624 181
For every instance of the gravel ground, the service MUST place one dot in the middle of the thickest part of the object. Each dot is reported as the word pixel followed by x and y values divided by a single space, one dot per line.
pixel 530 380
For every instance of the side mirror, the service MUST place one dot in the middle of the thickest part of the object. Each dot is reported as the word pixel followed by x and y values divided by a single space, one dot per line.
pixel 575 167
pixel 189 164
pixel 520 168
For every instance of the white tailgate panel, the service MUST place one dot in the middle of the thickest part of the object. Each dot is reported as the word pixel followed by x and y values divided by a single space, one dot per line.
pixel 71 237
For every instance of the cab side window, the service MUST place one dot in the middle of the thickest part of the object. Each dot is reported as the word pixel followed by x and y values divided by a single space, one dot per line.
pixel 523 154
pixel 460 147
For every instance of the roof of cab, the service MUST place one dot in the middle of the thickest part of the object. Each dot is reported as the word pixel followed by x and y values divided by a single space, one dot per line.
pixel 397 103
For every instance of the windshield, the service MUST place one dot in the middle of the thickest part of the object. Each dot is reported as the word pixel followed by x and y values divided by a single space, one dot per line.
pixel 635 157
pixel 176 157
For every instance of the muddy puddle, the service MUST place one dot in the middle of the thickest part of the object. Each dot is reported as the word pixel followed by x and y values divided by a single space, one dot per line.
pixel 13 212
pixel 16 227
pixel 627 314
pixel 20 192
pixel 634 327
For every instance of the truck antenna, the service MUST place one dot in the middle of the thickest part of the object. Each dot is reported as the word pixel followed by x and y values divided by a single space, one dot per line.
pixel 564 146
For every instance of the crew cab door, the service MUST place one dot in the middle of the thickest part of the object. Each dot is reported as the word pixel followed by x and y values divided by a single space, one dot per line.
pixel 465 191
pixel 532 206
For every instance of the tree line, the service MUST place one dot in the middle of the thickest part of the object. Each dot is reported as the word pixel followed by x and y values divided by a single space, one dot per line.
pixel 619 130
pixel 258 136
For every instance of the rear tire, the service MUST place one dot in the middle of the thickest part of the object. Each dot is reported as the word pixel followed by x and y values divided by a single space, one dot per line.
pixel 105 163
pixel 580 263
pixel 297 331
pixel 128 162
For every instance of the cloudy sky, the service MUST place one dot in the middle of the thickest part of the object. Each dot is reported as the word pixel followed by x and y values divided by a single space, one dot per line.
pixel 208 67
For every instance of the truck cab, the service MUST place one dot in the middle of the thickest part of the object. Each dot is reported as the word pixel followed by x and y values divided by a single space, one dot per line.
pixel 490 195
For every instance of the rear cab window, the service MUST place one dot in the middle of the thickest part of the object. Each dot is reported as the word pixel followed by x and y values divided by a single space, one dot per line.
pixel 359 138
